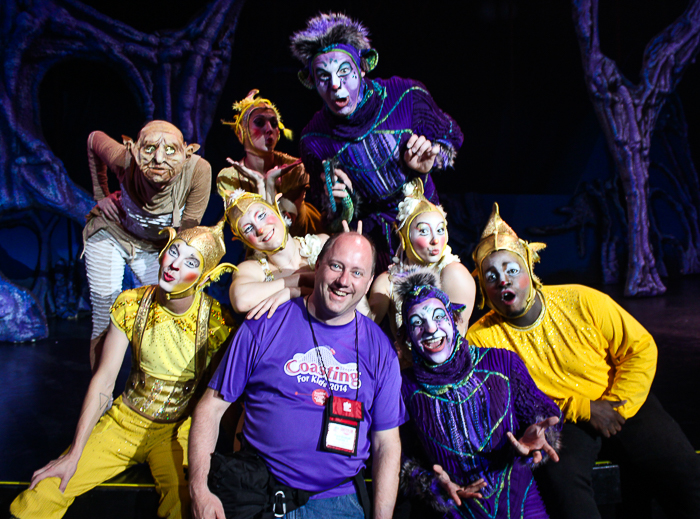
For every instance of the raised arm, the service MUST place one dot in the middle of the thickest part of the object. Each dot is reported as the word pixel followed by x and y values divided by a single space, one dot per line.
pixel 386 455
pixel 203 435
pixel 97 401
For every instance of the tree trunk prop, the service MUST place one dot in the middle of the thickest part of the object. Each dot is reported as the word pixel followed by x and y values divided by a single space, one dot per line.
pixel 628 114
pixel 175 75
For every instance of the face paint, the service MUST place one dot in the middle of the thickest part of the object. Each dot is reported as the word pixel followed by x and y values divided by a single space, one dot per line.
pixel 430 330
pixel 180 267
pixel 338 81
pixel 160 152
pixel 428 235
pixel 506 282
pixel 263 131
pixel 261 228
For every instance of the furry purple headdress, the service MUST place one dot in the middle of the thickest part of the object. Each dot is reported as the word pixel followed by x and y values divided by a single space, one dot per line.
pixel 329 30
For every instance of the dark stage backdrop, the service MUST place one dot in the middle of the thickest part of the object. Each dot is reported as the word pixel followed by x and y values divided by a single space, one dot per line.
pixel 509 72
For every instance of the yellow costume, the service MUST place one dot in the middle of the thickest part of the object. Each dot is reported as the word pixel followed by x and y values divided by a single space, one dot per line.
pixel 583 347
pixel 149 422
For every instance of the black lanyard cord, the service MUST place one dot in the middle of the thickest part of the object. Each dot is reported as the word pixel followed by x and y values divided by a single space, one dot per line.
pixel 320 358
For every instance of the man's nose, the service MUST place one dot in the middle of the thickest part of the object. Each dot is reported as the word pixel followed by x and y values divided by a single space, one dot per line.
pixel 160 154
pixel 504 282
pixel 434 240
pixel 430 326
pixel 335 82
pixel 259 231
pixel 344 278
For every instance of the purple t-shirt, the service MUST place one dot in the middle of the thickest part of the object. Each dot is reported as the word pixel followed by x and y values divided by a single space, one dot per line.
pixel 274 364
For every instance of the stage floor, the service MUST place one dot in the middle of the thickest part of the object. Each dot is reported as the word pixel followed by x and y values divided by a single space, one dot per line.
pixel 43 383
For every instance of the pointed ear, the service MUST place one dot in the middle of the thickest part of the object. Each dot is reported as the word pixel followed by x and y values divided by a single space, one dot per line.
pixel 171 236
pixel 191 148
pixel 128 142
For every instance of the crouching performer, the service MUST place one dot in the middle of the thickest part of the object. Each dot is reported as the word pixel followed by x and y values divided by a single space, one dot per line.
pixel 174 330
pixel 467 405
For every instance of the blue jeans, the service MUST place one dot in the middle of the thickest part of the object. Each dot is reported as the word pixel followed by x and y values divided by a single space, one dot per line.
pixel 340 507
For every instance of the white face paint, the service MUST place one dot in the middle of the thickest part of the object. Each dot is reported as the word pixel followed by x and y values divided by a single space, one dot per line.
pixel 431 331
pixel 180 267
pixel 338 81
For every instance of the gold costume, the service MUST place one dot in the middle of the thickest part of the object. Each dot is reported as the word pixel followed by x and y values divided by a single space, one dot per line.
pixel 149 422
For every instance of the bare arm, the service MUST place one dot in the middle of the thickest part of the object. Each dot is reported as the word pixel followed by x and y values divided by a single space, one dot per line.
pixel 249 288
pixel 97 401
pixel 379 300
pixel 460 287
pixel 203 435
pixel 386 453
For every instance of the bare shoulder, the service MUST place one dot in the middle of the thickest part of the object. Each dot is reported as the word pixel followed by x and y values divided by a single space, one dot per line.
pixel 381 284
pixel 249 271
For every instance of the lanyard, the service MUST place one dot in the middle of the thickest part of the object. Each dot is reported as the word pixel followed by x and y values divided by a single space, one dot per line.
pixel 320 358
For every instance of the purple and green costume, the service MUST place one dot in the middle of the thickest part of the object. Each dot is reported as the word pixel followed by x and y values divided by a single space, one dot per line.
pixel 461 411
pixel 369 146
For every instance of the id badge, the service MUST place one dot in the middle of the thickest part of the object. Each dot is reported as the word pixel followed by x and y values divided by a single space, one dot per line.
pixel 341 425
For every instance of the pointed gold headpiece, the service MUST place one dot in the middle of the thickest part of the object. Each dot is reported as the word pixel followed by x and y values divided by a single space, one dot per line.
pixel 498 235
pixel 209 242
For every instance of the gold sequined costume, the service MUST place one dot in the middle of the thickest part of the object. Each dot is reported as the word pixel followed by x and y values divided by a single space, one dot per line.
pixel 149 422
pixel 581 338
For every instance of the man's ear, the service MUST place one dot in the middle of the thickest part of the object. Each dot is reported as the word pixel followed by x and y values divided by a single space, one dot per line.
pixel 369 285
pixel 128 142
pixel 191 148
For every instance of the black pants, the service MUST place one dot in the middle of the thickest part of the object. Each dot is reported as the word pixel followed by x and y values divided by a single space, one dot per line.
pixel 655 459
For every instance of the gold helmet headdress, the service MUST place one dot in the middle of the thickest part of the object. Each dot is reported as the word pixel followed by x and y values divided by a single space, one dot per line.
pixel 498 235
pixel 209 243
pixel 245 107
pixel 413 205
pixel 237 201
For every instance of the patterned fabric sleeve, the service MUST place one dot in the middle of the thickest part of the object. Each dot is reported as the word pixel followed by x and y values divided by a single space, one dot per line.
pixel 123 312
pixel 429 120
pixel 532 405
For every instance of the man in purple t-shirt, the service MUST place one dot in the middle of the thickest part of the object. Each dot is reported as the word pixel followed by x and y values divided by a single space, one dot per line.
pixel 286 367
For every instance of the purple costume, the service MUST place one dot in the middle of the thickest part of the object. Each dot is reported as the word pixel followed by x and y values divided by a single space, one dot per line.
pixel 461 411
pixel 369 146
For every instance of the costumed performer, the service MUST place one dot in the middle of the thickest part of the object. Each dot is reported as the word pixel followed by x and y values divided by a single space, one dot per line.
pixel 174 329
pixel 422 228
pixel 467 405
pixel 597 363
pixel 372 135
pixel 264 171
pixel 281 269
pixel 162 183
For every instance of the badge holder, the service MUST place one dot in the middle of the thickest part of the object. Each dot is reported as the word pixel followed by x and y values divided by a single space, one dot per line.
pixel 341 425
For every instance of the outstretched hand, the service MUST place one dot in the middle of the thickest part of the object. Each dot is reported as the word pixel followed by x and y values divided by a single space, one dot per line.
pixel 420 153
pixel 604 417
pixel 533 441
pixel 62 468
pixel 254 176
pixel 456 492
